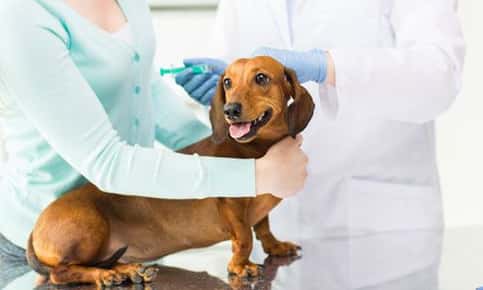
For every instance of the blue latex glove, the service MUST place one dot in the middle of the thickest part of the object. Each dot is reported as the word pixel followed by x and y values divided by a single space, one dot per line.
pixel 309 65
pixel 201 87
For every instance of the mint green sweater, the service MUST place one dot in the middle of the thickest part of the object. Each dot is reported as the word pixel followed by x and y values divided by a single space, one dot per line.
pixel 78 104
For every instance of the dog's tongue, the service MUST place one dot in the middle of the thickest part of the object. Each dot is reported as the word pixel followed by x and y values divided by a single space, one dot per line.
pixel 239 130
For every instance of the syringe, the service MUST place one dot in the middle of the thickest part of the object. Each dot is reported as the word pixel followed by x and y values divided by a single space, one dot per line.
pixel 196 69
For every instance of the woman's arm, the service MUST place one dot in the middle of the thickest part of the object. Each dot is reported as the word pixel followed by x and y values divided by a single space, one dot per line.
pixel 416 80
pixel 176 124
pixel 37 68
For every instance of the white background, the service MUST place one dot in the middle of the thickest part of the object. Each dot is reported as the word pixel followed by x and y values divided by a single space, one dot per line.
pixel 186 32
pixel 460 130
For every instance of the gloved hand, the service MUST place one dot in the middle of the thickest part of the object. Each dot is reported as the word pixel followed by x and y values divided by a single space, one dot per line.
pixel 309 65
pixel 201 87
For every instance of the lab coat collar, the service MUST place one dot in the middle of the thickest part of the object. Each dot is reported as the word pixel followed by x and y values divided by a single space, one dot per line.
pixel 278 10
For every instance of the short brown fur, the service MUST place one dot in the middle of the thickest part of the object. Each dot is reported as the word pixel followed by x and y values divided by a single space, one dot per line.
pixel 77 233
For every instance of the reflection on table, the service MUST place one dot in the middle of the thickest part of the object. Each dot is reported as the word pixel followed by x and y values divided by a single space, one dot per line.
pixel 386 261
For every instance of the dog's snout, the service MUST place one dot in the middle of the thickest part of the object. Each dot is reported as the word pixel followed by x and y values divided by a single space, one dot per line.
pixel 233 110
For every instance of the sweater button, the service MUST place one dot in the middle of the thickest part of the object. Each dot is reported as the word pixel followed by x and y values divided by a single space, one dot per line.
pixel 137 90
pixel 135 122
pixel 136 57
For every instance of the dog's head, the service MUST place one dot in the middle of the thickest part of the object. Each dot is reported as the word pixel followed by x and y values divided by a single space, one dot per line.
pixel 259 98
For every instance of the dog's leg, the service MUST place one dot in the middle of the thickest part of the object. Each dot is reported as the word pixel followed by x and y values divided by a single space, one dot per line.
pixel 242 243
pixel 137 273
pixel 270 244
pixel 67 274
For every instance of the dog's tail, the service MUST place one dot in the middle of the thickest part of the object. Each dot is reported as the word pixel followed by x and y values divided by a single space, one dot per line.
pixel 13 263
pixel 111 261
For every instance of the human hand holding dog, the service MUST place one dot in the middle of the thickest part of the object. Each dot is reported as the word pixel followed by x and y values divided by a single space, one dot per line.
pixel 283 170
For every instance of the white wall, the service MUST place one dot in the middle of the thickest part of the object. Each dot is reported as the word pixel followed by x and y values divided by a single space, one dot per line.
pixel 460 130
pixel 182 33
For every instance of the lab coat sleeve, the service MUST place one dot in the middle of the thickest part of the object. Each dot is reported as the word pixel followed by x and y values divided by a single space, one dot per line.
pixel 39 73
pixel 176 124
pixel 417 79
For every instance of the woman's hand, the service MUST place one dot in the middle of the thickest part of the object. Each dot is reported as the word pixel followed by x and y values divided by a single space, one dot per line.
pixel 282 171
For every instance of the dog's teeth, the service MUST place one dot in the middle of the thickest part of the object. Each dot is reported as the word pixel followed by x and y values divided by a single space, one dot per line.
pixel 259 119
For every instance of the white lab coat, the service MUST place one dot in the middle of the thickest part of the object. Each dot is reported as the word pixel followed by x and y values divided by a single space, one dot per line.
pixel 371 142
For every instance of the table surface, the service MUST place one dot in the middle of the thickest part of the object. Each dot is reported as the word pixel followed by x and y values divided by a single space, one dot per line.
pixel 409 260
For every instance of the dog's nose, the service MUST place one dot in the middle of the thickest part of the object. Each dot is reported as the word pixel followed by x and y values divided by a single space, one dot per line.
pixel 233 110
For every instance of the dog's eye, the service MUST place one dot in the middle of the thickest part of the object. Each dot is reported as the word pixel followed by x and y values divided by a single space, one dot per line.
pixel 262 79
pixel 227 83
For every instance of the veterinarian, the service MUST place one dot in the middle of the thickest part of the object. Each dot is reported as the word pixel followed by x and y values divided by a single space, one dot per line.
pixel 81 103
pixel 381 72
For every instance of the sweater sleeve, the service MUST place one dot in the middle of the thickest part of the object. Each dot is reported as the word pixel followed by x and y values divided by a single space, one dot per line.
pixel 40 75
pixel 176 124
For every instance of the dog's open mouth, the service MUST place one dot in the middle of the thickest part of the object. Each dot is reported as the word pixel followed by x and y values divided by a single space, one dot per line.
pixel 246 130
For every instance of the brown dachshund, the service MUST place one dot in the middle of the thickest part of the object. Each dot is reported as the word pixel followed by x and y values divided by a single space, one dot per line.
pixel 90 236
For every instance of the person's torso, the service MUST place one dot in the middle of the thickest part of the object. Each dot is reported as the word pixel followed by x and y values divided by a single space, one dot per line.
pixel 117 71
pixel 325 24
pixel 364 172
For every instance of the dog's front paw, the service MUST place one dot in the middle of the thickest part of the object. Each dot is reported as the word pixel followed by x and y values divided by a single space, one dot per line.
pixel 282 249
pixel 244 270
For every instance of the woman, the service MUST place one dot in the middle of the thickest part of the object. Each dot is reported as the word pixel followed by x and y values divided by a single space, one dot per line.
pixel 381 72
pixel 81 103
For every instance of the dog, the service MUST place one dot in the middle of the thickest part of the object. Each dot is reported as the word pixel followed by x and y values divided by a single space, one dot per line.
pixel 90 236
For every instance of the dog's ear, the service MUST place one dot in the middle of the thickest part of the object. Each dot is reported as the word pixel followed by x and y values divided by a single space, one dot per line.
pixel 300 111
pixel 217 117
